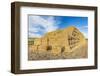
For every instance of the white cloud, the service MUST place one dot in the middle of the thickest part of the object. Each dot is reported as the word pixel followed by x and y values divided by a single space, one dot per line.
pixel 84 30
pixel 35 29
pixel 41 25
pixel 34 35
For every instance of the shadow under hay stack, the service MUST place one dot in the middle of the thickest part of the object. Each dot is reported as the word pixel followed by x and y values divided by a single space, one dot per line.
pixel 60 44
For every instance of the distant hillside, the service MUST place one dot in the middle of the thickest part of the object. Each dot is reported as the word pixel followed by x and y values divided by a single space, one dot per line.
pixel 31 41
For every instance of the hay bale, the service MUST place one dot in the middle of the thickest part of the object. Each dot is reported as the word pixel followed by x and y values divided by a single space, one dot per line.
pixel 62 42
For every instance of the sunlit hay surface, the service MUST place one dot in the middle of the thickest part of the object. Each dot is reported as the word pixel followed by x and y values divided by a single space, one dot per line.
pixel 77 53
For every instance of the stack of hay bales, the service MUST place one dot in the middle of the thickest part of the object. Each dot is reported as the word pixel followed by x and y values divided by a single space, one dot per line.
pixel 60 41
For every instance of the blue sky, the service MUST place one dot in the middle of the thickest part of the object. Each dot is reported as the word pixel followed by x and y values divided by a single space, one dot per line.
pixel 41 24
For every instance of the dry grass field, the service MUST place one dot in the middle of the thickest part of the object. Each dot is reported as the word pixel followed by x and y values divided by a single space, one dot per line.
pixel 80 51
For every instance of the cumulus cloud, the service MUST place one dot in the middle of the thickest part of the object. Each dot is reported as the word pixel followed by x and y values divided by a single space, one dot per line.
pixel 39 25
